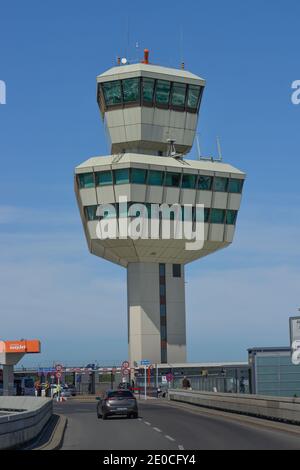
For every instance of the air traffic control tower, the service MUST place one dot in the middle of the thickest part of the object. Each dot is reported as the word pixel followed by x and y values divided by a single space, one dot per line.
pixel 151 115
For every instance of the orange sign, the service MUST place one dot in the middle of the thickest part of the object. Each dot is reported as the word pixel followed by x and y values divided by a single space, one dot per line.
pixel 25 346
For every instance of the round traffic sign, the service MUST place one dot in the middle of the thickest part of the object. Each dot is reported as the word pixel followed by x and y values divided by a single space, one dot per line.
pixel 169 377
pixel 125 371
pixel 58 367
pixel 125 365
pixel 58 375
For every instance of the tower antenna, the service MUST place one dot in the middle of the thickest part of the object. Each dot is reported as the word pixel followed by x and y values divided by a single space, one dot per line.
pixel 198 146
pixel 219 149
pixel 181 48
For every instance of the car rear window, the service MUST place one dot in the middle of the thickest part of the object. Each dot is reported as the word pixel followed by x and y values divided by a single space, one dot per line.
pixel 120 393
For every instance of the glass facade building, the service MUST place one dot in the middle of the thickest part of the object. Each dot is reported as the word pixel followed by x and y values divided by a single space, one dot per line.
pixel 273 373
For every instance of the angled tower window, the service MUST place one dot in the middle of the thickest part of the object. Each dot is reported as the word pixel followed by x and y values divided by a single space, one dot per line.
pixel 173 179
pixel 188 181
pixel 178 95
pixel 90 212
pixel 220 184
pixel 86 180
pixel 231 217
pixel 112 93
pixel 131 90
pixel 138 176
pixel 194 93
pixel 122 176
pixel 217 216
pixel 162 93
pixel 205 183
pixel 155 178
pixel 104 178
pixel 148 90
pixel 235 186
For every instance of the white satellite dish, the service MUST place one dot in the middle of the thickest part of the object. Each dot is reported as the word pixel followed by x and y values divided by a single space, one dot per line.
pixel 124 61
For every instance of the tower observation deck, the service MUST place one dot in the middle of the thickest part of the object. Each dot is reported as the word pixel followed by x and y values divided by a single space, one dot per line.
pixel 151 115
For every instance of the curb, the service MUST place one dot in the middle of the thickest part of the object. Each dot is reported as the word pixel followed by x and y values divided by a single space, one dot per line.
pixel 57 435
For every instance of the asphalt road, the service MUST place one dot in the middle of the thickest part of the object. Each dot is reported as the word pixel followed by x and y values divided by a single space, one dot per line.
pixel 161 427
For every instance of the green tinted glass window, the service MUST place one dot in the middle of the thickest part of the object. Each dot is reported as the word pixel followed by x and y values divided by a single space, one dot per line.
pixel 138 176
pixel 155 178
pixel 112 92
pixel 202 215
pixel 178 95
pixel 162 92
pixel 235 186
pixel 220 184
pixel 217 216
pixel 90 212
pixel 188 181
pixel 231 217
pixel 131 90
pixel 205 183
pixel 148 89
pixel 122 176
pixel 104 178
pixel 86 180
pixel 206 215
pixel 193 96
pixel 172 179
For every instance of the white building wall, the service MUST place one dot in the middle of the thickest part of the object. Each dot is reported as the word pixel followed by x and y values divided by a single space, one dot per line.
pixel 144 314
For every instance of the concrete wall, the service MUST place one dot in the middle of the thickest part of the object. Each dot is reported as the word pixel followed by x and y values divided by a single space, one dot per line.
pixel 25 419
pixel 282 409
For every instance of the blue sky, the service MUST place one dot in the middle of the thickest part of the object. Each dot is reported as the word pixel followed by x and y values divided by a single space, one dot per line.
pixel 50 54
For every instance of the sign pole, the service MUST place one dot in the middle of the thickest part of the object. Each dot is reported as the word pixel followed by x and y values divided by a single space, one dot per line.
pixel 145 370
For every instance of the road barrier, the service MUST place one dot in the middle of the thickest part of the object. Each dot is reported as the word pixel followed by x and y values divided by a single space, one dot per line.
pixel 22 419
pixel 274 408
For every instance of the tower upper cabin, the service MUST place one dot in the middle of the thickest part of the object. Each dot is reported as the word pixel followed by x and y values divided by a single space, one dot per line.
pixel 146 106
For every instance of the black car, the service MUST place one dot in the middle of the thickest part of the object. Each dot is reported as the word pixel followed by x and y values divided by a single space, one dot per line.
pixel 117 402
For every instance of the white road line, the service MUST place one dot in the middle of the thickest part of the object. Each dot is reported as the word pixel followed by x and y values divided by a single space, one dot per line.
pixel 180 447
pixel 157 429
pixel 170 438
pixel 139 419
pixel 148 424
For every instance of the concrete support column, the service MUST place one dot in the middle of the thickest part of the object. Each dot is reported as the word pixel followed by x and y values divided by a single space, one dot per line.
pixel 150 297
pixel 8 380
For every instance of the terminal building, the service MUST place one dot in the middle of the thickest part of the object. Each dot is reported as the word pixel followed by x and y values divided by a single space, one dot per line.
pixel 151 115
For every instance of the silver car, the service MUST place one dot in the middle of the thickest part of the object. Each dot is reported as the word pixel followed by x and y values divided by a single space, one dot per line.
pixel 117 402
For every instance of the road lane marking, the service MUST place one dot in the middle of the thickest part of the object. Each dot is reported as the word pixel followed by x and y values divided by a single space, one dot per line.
pixel 148 424
pixel 170 438
pixel 157 430
pixel 180 447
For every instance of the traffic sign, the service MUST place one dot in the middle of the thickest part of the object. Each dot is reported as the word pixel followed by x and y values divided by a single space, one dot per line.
pixel 296 358
pixel 169 377
pixel 58 375
pixel 125 365
pixel 145 362
pixel 125 371
pixel 58 367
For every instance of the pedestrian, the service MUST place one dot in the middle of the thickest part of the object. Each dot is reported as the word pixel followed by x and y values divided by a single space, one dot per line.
pixel 158 392
pixel 186 384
